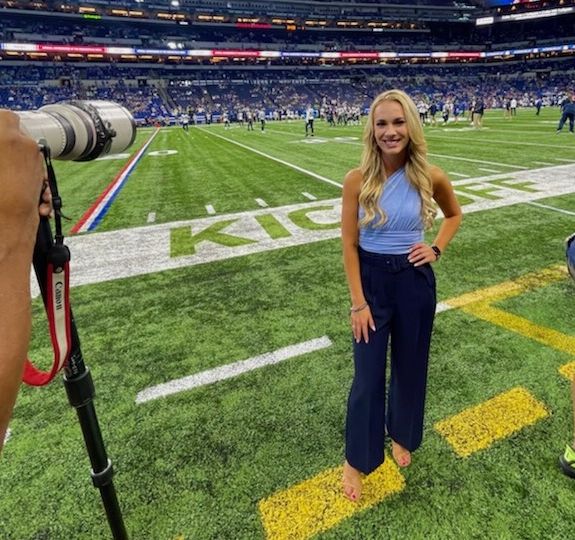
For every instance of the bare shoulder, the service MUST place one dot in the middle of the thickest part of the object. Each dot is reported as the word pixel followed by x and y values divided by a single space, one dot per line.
pixel 439 178
pixel 353 180
pixel 437 174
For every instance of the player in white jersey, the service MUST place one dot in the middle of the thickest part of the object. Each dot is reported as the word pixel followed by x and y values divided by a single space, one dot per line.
pixel 309 117
pixel 262 119
pixel 185 121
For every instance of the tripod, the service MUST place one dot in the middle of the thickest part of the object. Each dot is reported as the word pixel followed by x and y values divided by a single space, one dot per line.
pixel 80 390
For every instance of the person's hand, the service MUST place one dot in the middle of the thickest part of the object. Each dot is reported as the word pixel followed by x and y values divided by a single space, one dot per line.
pixel 361 322
pixel 22 172
pixel 421 253
pixel 45 208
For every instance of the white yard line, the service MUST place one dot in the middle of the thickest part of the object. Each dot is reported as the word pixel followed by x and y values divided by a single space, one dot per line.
pixel 210 209
pixel 126 246
pixel 488 170
pixel 441 307
pixel 229 371
pixel 457 158
pixel 7 436
pixel 499 142
pixel 151 217
pixel 569 213
pixel 287 164
pixel 564 160
pixel 543 163
pixel 262 203
pixel 458 174
pixel 309 196
pixel 287 133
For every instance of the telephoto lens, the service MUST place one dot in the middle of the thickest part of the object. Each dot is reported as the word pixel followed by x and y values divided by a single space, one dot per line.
pixel 80 130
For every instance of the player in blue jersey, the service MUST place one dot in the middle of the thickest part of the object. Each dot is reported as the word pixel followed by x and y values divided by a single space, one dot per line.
pixel 567 459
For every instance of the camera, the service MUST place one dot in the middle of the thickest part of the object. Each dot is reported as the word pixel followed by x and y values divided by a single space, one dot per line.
pixel 80 130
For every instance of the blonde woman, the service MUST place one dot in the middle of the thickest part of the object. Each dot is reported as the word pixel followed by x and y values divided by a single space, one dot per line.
pixel 387 203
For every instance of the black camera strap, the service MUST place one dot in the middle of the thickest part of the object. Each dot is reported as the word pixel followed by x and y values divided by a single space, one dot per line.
pixel 53 274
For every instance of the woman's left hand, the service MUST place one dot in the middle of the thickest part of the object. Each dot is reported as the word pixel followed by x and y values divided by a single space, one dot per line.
pixel 421 253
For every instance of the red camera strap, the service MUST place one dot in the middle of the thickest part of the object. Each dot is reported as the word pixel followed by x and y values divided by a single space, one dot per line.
pixel 54 279
pixel 58 312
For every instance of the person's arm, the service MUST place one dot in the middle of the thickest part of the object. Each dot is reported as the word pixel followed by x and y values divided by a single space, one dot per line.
pixel 444 196
pixel 21 179
pixel 362 318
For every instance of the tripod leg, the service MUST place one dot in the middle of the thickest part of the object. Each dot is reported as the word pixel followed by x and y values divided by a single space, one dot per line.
pixel 78 380
pixel 80 390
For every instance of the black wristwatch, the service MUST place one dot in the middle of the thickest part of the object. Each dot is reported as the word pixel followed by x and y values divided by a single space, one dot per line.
pixel 437 252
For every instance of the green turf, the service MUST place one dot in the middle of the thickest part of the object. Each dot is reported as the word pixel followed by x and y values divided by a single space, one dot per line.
pixel 197 463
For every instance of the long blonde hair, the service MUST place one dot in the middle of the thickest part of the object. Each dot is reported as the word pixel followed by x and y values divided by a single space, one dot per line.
pixel 416 166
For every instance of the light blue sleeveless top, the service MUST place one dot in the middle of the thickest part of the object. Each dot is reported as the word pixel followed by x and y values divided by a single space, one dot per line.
pixel 402 205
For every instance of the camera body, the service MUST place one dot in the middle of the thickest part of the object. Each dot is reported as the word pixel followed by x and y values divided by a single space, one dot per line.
pixel 80 130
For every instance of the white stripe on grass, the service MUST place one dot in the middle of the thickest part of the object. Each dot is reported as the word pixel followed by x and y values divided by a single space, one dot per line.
pixel 543 163
pixel 7 436
pixel 127 245
pixel 488 170
pixel 229 371
pixel 457 158
pixel 309 196
pixel 287 164
pixel 459 174
pixel 565 160
pixel 485 142
pixel 151 217
pixel 569 213
pixel 262 203
pixel 442 307
pixel 210 209
pixel 288 133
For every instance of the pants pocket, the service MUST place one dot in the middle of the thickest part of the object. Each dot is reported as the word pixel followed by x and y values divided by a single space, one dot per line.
pixel 428 273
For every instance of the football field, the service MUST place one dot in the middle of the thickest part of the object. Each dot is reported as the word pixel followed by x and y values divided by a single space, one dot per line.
pixel 212 307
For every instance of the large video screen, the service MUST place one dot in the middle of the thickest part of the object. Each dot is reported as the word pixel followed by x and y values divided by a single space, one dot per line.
pixel 496 3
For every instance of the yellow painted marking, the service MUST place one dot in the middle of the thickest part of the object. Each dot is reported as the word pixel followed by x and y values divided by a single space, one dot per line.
pixel 508 289
pixel 480 426
pixel 478 303
pixel 317 504
pixel 568 370
pixel 547 336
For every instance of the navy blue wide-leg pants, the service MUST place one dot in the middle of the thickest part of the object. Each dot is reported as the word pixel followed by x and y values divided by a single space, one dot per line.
pixel 402 301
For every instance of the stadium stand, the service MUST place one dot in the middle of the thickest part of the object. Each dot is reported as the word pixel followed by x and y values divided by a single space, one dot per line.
pixel 222 61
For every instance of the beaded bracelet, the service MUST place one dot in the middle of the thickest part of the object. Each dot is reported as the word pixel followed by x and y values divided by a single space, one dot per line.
pixel 358 308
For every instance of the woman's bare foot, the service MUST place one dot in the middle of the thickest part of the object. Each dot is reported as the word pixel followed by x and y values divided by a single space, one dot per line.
pixel 352 482
pixel 401 455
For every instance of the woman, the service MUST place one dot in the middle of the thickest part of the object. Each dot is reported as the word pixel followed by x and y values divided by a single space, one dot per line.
pixel 387 204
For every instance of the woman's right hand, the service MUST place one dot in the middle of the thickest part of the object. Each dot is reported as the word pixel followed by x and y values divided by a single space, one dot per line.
pixel 361 322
